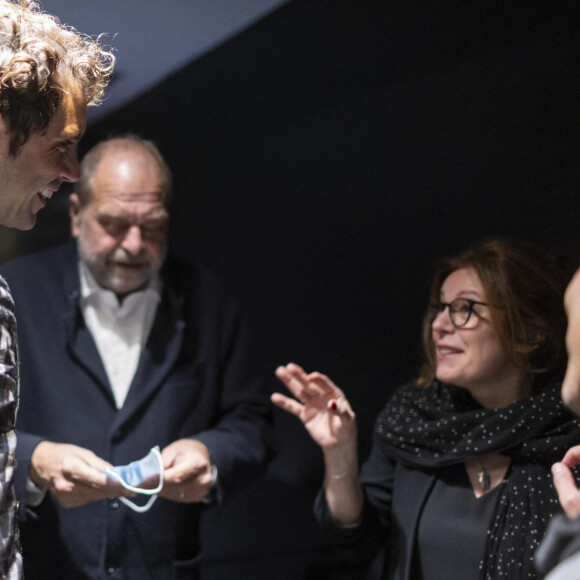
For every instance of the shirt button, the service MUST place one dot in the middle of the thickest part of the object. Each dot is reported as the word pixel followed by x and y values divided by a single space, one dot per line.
pixel 114 505
pixel 111 571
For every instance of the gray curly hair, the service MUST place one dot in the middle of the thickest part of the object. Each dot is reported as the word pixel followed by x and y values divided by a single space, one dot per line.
pixel 35 48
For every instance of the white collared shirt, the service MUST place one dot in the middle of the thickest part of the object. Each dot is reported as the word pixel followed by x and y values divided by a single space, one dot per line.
pixel 120 331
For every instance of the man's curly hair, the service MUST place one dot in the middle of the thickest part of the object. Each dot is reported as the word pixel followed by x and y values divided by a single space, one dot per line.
pixel 35 49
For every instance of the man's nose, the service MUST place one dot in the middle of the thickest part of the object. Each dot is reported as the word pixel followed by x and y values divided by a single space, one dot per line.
pixel 133 240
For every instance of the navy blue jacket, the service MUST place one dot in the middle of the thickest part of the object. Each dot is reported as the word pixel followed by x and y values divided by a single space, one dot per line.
pixel 196 378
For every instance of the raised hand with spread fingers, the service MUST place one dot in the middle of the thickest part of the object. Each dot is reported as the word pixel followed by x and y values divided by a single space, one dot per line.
pixel 329 419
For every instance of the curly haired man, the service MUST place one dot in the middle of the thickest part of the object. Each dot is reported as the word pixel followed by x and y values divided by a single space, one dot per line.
pixel 49 74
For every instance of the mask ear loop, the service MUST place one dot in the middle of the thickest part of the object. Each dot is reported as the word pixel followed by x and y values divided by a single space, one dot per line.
pixel 141 490
pixel 140 509
pixel 152 492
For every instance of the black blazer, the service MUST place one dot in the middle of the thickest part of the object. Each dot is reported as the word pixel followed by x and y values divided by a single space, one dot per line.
pixel 395 497
pixel 196 378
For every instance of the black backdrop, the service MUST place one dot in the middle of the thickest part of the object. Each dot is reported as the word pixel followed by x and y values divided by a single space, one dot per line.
pixel 323 159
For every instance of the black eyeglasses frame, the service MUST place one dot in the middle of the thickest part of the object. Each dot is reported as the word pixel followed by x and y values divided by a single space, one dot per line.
pixel 439 307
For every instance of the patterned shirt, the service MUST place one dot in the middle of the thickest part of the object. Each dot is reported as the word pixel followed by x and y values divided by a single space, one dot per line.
pixel 10 557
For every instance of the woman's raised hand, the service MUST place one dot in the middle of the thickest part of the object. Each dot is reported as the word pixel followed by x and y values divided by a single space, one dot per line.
pixel 327 416
pixel 319 404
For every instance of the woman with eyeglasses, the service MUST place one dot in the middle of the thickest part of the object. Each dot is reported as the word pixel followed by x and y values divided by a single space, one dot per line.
pixel 457 485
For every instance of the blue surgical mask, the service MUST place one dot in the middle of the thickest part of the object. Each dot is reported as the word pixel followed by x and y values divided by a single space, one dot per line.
pixel 144 476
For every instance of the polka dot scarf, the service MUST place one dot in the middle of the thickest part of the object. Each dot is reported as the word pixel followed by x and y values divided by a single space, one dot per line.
pixel 443 425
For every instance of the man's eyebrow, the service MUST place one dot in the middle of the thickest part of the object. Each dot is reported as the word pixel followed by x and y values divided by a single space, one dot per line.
pixel 157 214
pixel 110 215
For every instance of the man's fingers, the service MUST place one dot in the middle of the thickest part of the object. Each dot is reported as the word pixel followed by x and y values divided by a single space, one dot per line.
pixel 174 477
pixel 77 470
pixel 79 494
pixel 185 460
pixel 179 475
pixel 568 493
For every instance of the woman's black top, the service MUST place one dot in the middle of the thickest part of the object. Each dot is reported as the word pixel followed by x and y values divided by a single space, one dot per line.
pixel 453 528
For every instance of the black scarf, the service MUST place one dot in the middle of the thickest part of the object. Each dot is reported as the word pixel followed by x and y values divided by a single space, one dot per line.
pixel 443 425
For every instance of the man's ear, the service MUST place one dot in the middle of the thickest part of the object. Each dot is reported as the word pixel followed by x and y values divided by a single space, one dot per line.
pixel 74 210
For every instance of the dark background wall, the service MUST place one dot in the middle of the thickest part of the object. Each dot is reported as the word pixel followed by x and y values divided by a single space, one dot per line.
pixel 323 159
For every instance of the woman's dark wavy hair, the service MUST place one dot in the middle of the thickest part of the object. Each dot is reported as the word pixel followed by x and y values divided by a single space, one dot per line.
pixel 35 49
pixel 524 286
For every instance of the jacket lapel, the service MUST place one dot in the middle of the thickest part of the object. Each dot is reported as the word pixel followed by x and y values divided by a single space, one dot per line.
pixel 413 495
pixel 158 357
pixel 79 340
